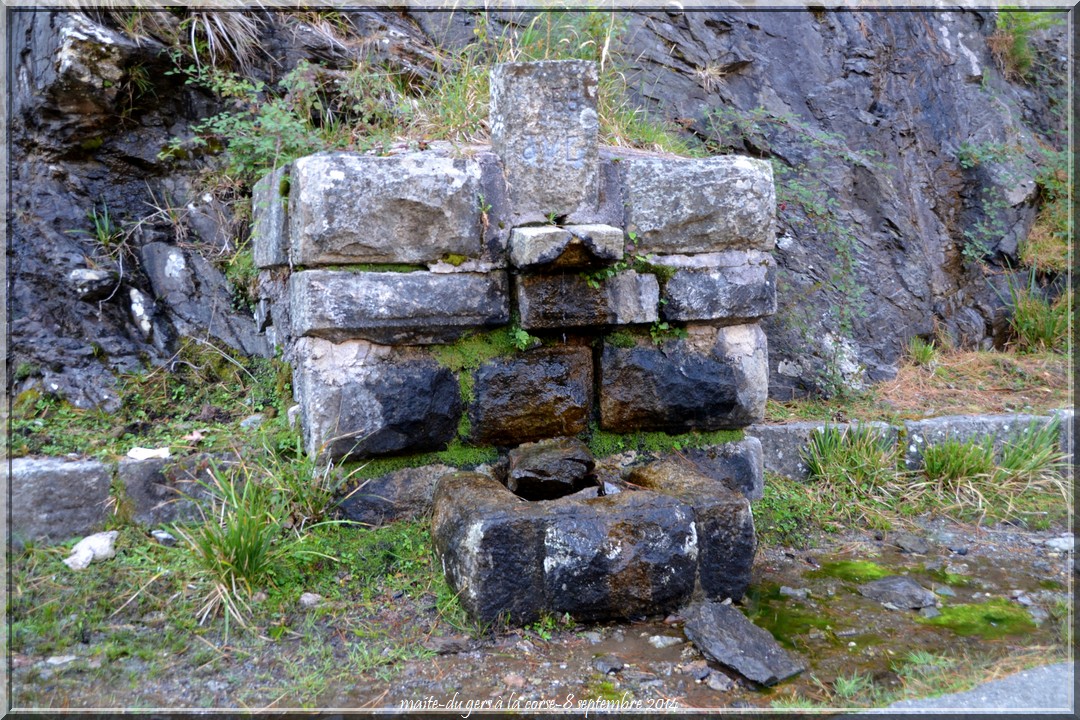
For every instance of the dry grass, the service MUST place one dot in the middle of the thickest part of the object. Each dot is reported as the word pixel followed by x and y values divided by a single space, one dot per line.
pixel 956 383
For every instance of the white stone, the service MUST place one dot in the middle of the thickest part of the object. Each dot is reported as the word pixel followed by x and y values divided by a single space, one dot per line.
pixel 98 546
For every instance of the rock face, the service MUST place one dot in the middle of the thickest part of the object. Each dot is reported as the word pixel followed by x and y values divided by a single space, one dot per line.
pixel 357 400
pixel 724 635
pixel 866 138
pixel 350 208
pixel 53 499
pixel 558 384
pixel 715 378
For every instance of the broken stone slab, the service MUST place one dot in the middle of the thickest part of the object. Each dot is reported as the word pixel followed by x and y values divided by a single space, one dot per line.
pixel 732 287
pixel 550 469
pixel 724 635
pixel 722 519
pixel 401 495
pixel 567 300
pixel 545 128
pixel 198 297
pixel 679 206
pixel 558 383
pixel 359 399
pixel 269 230
pixel 573 246
pixel 783 446
pixel 739 464
pixel 962 428
pixel 714 378
pixel 899 591
pixel 392 307
pixel 414 208
pixel 54 499
pixel 597 558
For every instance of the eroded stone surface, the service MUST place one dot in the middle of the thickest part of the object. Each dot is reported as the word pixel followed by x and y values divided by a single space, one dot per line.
pixel 545 128
pixel 736 287
pixel 402 495
pixel 680 205
pixel 568 300
pixel 415 208
pixel 393 307
pixel 269 236
pixel 715 378
pixel 551 247
pixel 53 499
pixel 608 557
pixel 361 399
pixel 557 383
pixel 722 517
pixel 550 469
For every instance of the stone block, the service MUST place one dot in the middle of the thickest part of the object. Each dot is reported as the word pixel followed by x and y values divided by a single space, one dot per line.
pixel 393 307
pixel 722 518
pixel 164 491
pixel 739 464
pixel 414 208
pixel 732 287
pixel 545 129
pixel 617 556
pixel 713 379
pixel 564 301
pixel 556 381
pixel 53 500
pixel 724 635
pixel 573 246
pixel 269 203
pixel 359 399
pixel 681 206
pixel 962 428
pixel 401 495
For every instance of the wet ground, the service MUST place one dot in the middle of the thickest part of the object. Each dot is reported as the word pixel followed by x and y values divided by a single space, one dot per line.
pixel 1010 586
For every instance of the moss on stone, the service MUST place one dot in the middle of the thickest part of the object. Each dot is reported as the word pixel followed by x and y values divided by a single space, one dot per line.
pixel 992 619
pixel 603 443
pixel 455 259
pixel 457 454
pixel 621 339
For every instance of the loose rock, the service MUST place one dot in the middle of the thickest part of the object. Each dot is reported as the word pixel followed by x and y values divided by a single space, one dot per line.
pixel 98 546
pixel 723 634
pixel 901 591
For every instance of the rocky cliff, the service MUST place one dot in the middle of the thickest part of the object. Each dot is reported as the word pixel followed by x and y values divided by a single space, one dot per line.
pixel 903 156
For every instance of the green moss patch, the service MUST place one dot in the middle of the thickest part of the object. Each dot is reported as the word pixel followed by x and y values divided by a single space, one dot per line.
pixel 603 443
pixel 457 454
pixel 853 571
pixel 992 619
pixel 784 617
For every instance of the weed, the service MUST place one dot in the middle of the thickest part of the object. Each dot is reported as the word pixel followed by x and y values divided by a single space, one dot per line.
pixel 847 687
pixel 522 339
pixel 922 353
pixel 1010 43
pixel 855 467
pixel 1037 324
pixel 661 331
pixel 949 462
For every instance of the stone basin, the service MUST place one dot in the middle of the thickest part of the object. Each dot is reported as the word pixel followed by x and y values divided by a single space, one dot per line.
pixel 635 553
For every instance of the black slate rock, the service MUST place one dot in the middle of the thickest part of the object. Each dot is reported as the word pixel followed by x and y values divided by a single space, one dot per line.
pixel 724 635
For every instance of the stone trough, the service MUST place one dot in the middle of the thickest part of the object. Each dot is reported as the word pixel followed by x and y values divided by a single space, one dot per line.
pixel 633 283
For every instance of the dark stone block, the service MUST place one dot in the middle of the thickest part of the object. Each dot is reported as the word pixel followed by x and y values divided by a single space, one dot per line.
pixel 563 301
pixel 550 469
pixel 716 378
pixel 402 495
pixel 542 393
pixel 724 635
